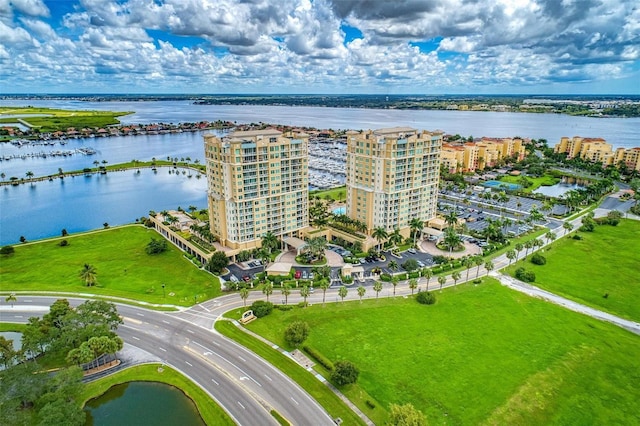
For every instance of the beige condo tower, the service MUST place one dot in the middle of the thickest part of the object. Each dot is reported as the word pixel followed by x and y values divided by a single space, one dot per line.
pixel 392 177
pixel 258 182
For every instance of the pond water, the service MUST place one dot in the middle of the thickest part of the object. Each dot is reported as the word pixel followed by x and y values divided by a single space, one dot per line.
pixel 43 209
pixel 557 190
pixel 142 403
pixel 13 335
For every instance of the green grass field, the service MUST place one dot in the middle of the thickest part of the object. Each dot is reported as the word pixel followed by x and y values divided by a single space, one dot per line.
pixel 210 412
pixel 482 355
pixel 537 182
pixel 606 261
pixel 123 267
pixel 50 120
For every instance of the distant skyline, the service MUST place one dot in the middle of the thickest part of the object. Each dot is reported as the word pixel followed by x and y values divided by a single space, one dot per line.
pixel 320 46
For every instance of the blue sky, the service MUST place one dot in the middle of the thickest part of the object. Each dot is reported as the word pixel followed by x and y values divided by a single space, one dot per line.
pixel 320 46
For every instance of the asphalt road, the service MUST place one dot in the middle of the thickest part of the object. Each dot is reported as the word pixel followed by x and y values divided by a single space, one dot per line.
pixel 241 382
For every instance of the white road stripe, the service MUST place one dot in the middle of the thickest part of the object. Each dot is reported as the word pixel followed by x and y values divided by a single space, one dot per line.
pixel 294 401
pixel 162 349
pixel 188 363
pixel 240 404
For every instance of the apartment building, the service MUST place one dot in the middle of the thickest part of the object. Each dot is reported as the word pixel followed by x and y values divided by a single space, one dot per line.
pixel 258 182
pixel 630 157
pixel 585 148
pixel 487 152
pixel 392 176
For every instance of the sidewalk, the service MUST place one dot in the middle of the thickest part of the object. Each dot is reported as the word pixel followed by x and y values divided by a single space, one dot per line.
pixel 534 291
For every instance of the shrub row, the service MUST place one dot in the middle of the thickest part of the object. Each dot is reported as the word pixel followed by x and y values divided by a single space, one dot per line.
pixel 319 357
pixel 524 275
pixel 426 298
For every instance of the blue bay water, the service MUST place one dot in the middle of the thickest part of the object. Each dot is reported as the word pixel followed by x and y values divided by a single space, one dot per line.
pixel 83 203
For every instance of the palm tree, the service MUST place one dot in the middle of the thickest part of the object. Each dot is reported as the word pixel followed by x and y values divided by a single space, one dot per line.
pixel 244 293
pixel 488 265
pixel 468 263
pixel 29 175
pixel 316 246
pixel 528 245
pixel 377 287
pixel 380 234
pixel 286 291
pixel 413 284
pixel 442 280
pixel 567 227
pixel 304 292
pixel 269 241
pixel 393 265
pixel 395 238
pixel 451 239
pixel 89 274
pixel 456 276
pixel 394 283
pixel 416 225
pixel 428 274
pixel 361 290
pixel 519 247
pixel 478 260
pixel 550 236
pixel 451 219
pixel 511 254
pixel 10 299
pixel 2 175
pixel 324 285
pixel 267 289
pixel 342 292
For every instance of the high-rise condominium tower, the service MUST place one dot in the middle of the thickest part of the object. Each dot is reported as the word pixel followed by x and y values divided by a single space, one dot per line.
pixel 258 182
pixel 392 176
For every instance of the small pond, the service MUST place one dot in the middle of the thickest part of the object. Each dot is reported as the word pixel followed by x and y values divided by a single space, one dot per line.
pixel 142 403
pixel 557 190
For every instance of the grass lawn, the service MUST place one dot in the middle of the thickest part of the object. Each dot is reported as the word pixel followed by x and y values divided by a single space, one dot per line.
pixel 123 268
pixel 481 355
pixel 537 182
pixel 605 261
pixel 210 412
pixel 59 119
pixel 338 193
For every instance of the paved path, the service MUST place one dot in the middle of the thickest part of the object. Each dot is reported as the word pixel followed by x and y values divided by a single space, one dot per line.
pixel 534 291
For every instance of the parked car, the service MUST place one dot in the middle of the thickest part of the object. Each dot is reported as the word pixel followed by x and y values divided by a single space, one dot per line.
pixel 297 274
pixel 305 275
pixel 420 263
pixel 412 251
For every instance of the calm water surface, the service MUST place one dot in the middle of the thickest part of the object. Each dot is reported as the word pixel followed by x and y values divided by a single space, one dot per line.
pixel 620 132
pixel 142 403
pixel 83 203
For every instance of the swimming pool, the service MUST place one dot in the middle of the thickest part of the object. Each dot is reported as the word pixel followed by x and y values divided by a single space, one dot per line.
pixel 340 210
pixel 501 185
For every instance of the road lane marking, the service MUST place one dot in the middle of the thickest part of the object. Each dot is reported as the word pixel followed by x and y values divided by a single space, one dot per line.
pixel 240 404
pixel 190 331
pixel 19 316
pixel 162 349
pixel 268 378
pixel 248 376
pixel 204 307
pixel 166 322
pixel 244 360
pixel 134 337
pixel 139 314
pixel 295 401
pixel 135 321
pixel 188 363
pixel 214 381
pixel 28 300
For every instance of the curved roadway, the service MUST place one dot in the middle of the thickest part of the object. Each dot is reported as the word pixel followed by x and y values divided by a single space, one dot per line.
pixel 245 385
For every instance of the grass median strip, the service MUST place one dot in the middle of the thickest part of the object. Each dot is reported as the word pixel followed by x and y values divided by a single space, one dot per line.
pixel 321 393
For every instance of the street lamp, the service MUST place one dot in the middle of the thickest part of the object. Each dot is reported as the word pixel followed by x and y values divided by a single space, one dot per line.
pixel 163 290
pixel 195 299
